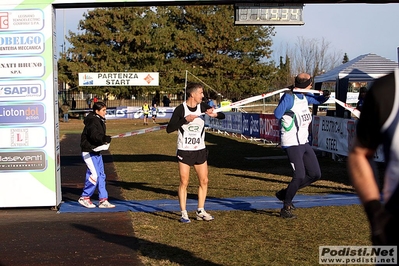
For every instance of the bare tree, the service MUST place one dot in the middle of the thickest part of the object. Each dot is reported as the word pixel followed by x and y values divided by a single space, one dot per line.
pixel 312 56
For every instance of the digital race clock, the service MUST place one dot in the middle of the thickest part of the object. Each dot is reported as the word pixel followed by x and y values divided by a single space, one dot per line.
pixel 268 14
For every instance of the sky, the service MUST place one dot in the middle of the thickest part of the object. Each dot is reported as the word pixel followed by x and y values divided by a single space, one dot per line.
pixel 355 29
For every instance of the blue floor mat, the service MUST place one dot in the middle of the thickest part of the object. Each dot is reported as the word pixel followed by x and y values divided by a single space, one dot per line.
pixel 217 204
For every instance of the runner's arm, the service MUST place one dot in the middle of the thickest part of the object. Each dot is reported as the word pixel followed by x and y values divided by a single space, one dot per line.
pixel 206 108
pixel 285 104
pixel 177 119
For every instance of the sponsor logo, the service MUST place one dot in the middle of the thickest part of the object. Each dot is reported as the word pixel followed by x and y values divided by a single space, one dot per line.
pixel 193 128
pixel 26 160
pixel 21 20
pixel 254 126
pixel 13 67
pixel 32 137
pixel 4 20
pixel 87 80
pixel 21 90
pixel 28 43
pixel 22 114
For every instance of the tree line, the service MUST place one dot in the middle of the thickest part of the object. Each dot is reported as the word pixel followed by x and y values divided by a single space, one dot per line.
pixel 233 60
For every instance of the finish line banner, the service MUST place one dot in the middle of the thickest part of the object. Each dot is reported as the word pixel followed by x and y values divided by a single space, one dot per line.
pixel 119 79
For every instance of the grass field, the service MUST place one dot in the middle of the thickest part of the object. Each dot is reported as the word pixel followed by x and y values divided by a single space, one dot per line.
pixel 147 169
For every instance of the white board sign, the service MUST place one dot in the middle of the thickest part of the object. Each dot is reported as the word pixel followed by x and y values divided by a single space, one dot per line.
pixel 119 79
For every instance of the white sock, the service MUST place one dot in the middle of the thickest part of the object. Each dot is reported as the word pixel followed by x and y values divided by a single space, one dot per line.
pixel 184 214
pixel 200 209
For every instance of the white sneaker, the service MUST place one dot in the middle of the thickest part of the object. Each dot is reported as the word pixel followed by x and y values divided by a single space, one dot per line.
pixel 105 204
pixel 185 220
pixel 204 216
pixel 86 202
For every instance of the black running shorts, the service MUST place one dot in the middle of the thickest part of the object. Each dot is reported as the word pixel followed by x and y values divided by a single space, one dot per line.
pixel 192 157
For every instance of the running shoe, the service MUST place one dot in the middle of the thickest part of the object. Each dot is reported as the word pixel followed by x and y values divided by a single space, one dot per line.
pixel 86 202
pixel 185 220
pixel 286 213
pixel 204 216
pixel 105 204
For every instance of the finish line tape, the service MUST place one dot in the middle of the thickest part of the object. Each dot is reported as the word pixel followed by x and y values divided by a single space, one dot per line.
pixel 353 110
pixel 139 131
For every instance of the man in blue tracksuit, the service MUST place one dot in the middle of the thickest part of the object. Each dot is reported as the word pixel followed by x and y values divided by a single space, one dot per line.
pixel 295 118
pixel 93 140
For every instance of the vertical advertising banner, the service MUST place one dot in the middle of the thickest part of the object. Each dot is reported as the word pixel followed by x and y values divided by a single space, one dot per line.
pixel 269 128
pixel 250 125
pixel 29 146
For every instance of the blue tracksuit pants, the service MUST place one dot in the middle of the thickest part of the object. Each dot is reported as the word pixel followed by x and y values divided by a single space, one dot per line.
pixel 95 175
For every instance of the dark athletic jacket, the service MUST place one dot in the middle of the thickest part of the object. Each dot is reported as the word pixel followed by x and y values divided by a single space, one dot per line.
pixel 93 134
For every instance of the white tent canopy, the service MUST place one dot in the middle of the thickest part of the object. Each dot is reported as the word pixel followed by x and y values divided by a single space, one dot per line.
pixel 365 67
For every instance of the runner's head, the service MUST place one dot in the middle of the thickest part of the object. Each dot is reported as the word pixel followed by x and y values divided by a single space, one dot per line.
pixel 195 91
pixel 303 81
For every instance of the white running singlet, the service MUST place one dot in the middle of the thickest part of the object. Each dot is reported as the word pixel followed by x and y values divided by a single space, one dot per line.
pixel 191 136
pixel 295 123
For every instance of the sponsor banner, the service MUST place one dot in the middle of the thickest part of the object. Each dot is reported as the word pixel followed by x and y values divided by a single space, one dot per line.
pixel 336 135
pixel 119 79
pixel 233 122
pixel 219 124
pixel 27 90
pixel 162 113
pixel 269 128
pixel 117 113
pixel 28 105
pixel 22 161
pixel 26 137
pixel 21 67
pixel 22 114
pixel 21 43
pixel 250 125
pixel 21 20
pixel 331 134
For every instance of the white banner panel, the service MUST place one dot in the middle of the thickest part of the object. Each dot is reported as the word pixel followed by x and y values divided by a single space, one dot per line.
pixel 336 135
pixel 351 97
pixel 330 134
pixel 119 79
pixel 25 137
pixel 29 144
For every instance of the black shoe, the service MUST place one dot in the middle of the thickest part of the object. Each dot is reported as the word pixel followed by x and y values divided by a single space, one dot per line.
pixel 280 195
pixel 286 213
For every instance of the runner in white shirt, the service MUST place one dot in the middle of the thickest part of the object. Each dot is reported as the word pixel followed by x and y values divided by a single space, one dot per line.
pixel 191 149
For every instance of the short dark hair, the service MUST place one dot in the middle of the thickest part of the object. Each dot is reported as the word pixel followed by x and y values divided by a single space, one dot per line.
pixel 98 106
pixel 191 87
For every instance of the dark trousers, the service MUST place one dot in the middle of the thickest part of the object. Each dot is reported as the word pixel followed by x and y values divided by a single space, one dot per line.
pixel 306 169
